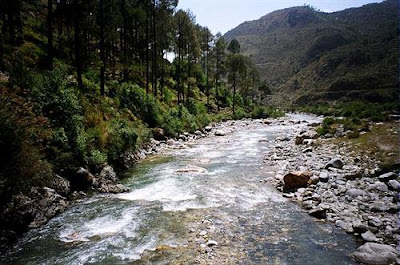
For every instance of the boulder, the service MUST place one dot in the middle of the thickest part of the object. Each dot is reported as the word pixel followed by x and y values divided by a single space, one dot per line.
pixel 394 185
pixel 220 133
pixel 375 254
pixel 318 213
pixel 297 179
pixel 299 140
pixel 323 177
pixel 387 176
pixel 108 182
pixel 208 128
pixel 81 180
pixel 335 163
pixel 369 236
pixel 159 134
pixel 356 192
pixel 60 185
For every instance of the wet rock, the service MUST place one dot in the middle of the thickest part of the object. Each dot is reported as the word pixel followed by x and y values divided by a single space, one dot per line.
pixel 108 181
pixel 394 185
pixel 369 236
pixel 198 133
pixel 334 163
pixel 318 213
pixel 295 180
pixel 191 169
pixel 386 177
pixel 220 133
pixel 375 254
pixel 208 128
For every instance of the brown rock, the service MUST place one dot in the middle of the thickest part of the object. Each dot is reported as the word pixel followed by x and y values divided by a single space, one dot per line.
pixel 297 179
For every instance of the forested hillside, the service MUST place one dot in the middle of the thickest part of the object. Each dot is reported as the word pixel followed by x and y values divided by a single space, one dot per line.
pixel 308 57
pixel 84 83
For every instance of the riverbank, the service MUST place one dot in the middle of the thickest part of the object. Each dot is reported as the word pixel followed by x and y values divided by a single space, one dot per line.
pixel 342 181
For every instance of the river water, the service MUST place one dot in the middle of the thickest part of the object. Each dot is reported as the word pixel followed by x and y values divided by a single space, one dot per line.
pixel 250 220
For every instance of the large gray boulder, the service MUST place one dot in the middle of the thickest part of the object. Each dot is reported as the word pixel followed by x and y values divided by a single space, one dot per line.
pixel 108 181
pixel 376 254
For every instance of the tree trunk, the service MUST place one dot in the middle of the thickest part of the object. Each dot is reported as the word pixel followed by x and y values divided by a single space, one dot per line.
pixel 77 41
pixel 102 51
pixel 50 53
pixel 234 92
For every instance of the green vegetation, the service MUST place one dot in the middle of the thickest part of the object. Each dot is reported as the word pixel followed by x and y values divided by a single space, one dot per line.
pixel 84 82
pixel 354 110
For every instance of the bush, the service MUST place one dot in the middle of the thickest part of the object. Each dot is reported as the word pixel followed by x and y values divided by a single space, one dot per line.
pixel 122 138
pixel 96 159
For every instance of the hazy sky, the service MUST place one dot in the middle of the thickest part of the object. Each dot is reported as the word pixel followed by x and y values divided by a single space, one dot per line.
pixel 223 15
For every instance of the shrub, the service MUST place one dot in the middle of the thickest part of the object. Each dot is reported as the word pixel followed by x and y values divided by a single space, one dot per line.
pixel 96 159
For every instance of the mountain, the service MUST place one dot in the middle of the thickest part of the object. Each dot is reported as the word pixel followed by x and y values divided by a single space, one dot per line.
pixel 308 56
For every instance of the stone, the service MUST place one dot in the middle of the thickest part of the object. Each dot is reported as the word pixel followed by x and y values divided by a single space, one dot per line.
pixel 314 180
pixel 318 213
pixel 359 227
pixel 323 177
pixel 387 176
pixel 394 185
pixel 220 133
pixel 378 186
pixel 299 140
pixel 81 180
pixel 191 169
pixel 198 133
pixel 375 254
pixel 60 185
pixel 379 207
pixel 208 128
pixel 211 243
pixel 158 134
pixel 307 150
pixel 356 192
pixel 369 236
pixel 335 163
pixel 297 179
pixel 108 181
pixel 348 227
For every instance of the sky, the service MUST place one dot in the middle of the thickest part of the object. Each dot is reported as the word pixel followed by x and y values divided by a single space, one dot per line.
pixel 224 15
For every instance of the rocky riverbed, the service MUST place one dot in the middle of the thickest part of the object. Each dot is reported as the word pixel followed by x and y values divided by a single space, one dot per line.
pixel 232 215
pixel 333 182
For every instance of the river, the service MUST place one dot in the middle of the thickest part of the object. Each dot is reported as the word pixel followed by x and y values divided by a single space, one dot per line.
pixel 169 217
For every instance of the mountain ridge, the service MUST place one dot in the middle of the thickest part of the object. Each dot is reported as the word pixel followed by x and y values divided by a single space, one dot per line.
pixel 310 56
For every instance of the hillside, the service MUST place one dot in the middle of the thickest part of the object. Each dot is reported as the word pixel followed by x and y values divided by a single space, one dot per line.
pixel 310 56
